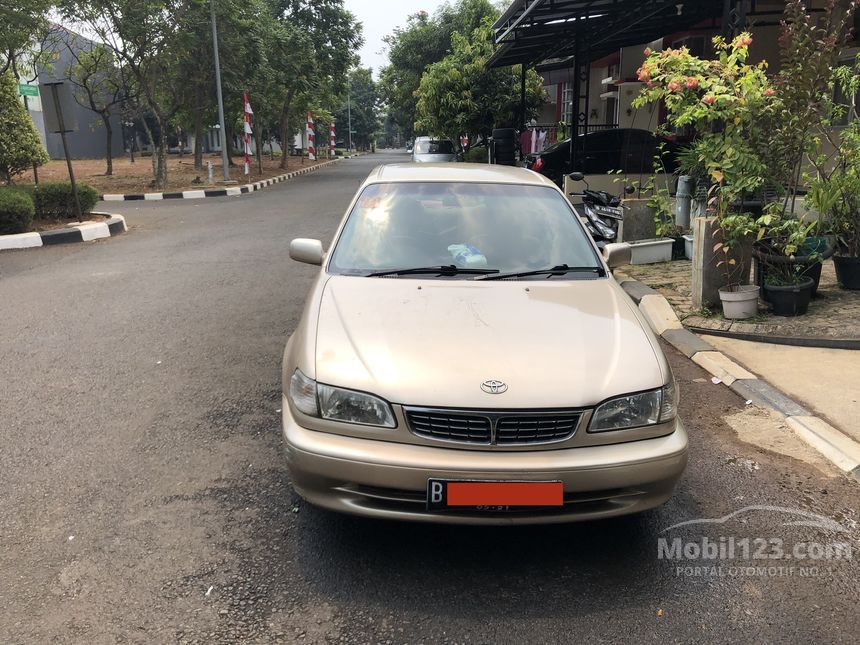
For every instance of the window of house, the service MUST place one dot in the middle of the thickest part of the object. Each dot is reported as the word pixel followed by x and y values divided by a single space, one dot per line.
pixel 567 103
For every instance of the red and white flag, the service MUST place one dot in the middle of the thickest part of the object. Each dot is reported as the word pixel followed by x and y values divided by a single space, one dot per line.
pixel 312 150
pixel 248 113
pixel 332 143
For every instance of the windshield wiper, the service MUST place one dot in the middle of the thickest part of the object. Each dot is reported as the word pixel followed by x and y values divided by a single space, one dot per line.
pixel 561 269
pixel 444 270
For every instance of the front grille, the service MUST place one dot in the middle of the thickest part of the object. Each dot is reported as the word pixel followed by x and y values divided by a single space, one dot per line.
pixel 471 429
pixel 490 427
pixel 535 429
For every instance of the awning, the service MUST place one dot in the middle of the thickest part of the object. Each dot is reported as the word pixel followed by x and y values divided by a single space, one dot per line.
pixel 532 32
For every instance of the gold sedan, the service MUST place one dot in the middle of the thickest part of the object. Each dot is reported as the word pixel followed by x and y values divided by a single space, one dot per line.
pixel 465 355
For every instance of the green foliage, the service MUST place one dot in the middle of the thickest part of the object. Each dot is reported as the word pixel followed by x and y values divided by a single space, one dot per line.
pixel 725 100
pixel 55 200
pixel 16 211
pixel 412 49
pixel 459 95
pixel 364 102
pixel 476 155
pixel 834 187
pixel 20 146
pixel 22 24
pixel 782 236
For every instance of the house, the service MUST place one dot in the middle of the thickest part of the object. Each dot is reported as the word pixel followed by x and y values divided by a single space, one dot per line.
pixel 588 51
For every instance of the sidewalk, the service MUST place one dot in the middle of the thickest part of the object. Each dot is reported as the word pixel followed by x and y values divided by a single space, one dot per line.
pixel 827 381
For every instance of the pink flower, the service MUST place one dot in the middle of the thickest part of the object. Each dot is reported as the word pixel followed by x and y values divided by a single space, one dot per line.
pixel 769 92
pixel 650 83
pixel 744 40
pixel 648 51
pixel 709 99
pixel 673 85
pixel 642 74
pixel 692 83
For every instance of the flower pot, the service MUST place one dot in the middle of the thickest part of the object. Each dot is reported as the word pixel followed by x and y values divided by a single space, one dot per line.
pixel 791 299
pixel 740 303
pixel 847 271
pixel 811 263
pixel 651 251
pixel 688 247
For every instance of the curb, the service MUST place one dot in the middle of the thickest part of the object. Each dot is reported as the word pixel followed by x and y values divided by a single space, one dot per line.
pixel 839 449
pixel 83 232
pixel 221 192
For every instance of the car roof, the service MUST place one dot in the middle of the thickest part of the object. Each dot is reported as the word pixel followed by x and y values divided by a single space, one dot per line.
pixel 479 173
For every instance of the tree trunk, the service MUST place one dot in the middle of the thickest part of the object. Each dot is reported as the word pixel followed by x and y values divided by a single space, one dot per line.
pixel 108 144
pixel 285 129
pixel 151 141
pixel 228 141
pixel 258 144
pixel 161 168
pixel 198 139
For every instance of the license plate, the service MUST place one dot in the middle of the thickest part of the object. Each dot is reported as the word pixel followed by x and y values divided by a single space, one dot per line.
pixel 609 211
pixel 492 495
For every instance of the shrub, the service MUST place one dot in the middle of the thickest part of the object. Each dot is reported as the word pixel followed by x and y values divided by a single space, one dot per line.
pixel 16 211
pixel 55 200
pixel 476 155
pixel 20 147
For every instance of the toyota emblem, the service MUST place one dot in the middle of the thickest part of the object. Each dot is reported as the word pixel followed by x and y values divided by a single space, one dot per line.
pixel 494 387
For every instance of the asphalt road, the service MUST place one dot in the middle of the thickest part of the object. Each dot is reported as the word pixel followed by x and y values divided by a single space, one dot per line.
pixel 143 497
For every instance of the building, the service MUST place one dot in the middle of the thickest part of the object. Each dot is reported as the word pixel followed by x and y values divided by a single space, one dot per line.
pixel 588 51
pixel 88 141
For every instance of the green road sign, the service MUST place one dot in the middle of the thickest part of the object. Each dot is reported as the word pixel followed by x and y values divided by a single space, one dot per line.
pixel 28 90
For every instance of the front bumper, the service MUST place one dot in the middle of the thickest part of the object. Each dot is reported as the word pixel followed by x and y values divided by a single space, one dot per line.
pixel 388 480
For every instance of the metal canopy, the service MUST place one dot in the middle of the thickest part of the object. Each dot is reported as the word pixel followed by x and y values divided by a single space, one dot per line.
pixel 534 31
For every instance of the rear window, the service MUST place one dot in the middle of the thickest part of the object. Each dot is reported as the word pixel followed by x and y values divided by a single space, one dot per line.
pixel 434 147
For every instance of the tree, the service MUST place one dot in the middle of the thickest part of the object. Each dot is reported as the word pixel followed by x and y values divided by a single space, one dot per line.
pixel 364 108
pixel 97 81
pixel 24 22
pixel 460 96
pixel 20 147
pixel 313 48
pixel 146 37
pixel 422 42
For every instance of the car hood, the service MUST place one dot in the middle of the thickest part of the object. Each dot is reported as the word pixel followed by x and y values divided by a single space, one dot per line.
pixel 562 343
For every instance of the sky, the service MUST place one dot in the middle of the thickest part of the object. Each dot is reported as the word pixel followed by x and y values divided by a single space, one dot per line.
pixel 380 17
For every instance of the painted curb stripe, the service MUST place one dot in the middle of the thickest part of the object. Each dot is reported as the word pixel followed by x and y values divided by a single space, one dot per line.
pixel 62 236
pixel 236 190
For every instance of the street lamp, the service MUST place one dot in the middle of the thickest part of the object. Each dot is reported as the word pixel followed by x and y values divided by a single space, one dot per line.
pixel 225 160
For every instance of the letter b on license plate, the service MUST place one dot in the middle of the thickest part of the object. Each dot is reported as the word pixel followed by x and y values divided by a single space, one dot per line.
pixel 444 494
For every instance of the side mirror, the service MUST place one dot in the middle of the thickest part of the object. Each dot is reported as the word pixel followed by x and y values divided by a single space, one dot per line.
pixel 576 176
pixel 308 251
pixel 629 190
pixel 617 254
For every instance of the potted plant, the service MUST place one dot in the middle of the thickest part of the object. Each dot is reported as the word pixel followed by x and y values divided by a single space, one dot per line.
pixel 786 286
pixel 834 189
pixel 740 301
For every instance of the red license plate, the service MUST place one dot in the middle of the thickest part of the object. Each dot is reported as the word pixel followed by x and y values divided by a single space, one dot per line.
pixel 493 495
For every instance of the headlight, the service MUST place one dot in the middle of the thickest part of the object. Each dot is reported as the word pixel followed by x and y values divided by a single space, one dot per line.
pixel 339 404
pixel 636 410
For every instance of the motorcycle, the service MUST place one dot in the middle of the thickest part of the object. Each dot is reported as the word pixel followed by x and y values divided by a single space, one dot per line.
pixel 601 212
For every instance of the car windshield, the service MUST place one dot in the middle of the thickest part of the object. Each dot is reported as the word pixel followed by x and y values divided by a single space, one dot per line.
pixel 434 148
pixel 507 228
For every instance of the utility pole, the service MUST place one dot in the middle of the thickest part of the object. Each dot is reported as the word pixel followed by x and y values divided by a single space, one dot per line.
pixel 349 115
pixel 225 160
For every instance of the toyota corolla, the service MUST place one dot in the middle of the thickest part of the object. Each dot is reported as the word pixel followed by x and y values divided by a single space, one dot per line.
pixel 465 355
